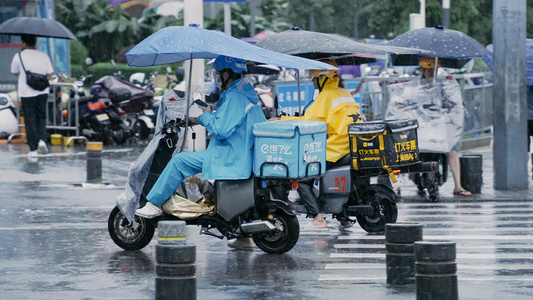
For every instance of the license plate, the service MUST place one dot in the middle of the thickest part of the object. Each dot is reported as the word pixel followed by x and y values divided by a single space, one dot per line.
pixel 102 117
pixel 148 112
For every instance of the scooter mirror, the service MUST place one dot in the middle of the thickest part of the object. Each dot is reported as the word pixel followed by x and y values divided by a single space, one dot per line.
pixel 169 70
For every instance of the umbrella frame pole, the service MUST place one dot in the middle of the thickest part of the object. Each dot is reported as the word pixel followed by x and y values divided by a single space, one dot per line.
pixel 436 67
pixel 299 100
pixel 187 97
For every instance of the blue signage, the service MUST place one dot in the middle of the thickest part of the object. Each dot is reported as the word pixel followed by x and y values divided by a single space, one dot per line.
pixel 287 92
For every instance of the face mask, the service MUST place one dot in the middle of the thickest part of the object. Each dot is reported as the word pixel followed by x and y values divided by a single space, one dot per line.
pixel 218 83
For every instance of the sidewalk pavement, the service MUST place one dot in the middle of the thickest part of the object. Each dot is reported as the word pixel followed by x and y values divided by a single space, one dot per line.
pixel 409 191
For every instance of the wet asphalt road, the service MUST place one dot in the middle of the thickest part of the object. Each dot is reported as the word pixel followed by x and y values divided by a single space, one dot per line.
pixel 54 244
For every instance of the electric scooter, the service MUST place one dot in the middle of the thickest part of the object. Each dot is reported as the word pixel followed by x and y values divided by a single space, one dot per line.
pixel 243 208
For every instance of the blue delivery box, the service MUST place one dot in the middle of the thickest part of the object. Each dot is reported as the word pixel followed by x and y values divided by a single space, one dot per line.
pixel 290 149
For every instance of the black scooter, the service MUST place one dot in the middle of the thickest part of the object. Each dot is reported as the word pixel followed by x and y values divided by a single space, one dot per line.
pixel 242 208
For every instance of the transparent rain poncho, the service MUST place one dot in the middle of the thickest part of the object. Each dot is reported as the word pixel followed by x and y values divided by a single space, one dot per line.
pixel 438 107
pixel 172 107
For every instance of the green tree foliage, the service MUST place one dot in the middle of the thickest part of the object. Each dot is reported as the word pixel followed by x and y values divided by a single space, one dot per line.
pixel 104 30
pixel 270 15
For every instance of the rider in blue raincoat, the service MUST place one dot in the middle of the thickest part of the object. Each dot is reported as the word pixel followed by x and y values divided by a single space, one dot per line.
pixel 230 151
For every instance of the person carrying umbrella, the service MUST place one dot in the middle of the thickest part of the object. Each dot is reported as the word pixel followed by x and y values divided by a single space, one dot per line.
pixel 230 151
pixel 334 105
pixel 428 70
pixel 33 101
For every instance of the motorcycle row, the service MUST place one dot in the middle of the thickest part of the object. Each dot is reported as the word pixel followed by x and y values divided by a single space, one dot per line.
pixel 114 110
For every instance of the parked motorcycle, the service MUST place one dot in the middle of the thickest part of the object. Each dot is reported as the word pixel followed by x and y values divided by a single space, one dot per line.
pixel 8 117
pixel 132 103
pixel 97 121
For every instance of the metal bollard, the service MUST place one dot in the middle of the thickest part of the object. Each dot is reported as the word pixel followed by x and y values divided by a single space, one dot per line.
pixel 175 263
pixel 436 269
pixel 94 161
pixel 400 251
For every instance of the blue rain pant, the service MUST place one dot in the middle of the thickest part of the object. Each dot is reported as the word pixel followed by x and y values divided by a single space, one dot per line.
pixel 181 166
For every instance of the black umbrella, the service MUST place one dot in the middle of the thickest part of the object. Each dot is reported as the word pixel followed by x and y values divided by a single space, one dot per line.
pixel 317 45
pixel 36 26
pixel 453 48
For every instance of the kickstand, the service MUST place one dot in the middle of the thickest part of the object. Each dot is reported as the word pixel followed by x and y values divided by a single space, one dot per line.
pixel 206 231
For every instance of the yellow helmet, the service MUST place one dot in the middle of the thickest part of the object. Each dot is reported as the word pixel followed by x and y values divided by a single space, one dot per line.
pixel 428 63
pixel 328 73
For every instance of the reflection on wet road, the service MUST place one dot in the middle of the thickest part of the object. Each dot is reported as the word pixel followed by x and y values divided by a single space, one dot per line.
pixel 54 244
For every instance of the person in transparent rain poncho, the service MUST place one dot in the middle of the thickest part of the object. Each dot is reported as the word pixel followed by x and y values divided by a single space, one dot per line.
pixel 428 69
pixel 230 151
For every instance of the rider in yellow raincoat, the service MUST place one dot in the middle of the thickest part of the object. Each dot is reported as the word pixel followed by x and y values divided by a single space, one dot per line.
pixel 334 105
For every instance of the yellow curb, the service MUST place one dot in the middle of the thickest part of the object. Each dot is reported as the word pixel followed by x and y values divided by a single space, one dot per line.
pixel 95 146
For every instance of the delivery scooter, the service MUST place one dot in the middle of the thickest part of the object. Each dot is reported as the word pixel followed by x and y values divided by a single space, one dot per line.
pixel 242 208
pixel 379 148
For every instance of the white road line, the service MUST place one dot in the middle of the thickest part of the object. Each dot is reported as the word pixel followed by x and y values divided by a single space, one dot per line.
pixel 381 279
pixel 458 256
pixel 25 228
pixel 461 267
pixel 520 238
pixel 459 246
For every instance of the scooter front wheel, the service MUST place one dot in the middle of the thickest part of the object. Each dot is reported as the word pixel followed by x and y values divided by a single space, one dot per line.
pixel 283 239
pixel 382 200
pixel 126 235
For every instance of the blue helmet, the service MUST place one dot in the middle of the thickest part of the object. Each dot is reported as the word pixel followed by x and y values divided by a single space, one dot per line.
pixel 225 62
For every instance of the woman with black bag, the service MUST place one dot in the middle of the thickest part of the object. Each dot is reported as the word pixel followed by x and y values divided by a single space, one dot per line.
pixel 33 91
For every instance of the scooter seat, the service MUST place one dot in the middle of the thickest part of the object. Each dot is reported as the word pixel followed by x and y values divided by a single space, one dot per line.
pixel 344 161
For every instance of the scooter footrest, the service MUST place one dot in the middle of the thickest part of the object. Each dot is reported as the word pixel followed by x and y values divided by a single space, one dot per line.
pixel 366 210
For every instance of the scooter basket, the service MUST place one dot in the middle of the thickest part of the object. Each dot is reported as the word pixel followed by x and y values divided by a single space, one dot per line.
pixel 383 144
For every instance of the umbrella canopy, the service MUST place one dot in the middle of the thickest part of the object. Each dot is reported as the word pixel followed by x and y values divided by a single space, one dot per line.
pixel 317 45
pixel 488 58
pixel 36 26
pixel 452 47
pixel 180 43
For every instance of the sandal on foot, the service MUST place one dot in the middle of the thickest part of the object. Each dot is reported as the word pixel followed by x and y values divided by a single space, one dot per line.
pixel 463 193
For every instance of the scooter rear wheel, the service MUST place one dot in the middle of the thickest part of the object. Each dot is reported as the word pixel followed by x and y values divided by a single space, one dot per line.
pixel 283 239
pixel 126 235
pixel 382 199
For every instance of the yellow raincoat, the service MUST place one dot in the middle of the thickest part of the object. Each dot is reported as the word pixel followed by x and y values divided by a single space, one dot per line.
pixel 333 106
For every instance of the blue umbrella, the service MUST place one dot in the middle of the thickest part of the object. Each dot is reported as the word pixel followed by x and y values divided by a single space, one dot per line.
pixel 529 60
pixel 453 48
pixel 180 43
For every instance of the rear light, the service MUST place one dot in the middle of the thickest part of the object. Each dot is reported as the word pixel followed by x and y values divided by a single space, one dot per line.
pixel 96 105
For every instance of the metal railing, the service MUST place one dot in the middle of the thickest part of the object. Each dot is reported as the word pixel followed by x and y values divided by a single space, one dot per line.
pixel 54 117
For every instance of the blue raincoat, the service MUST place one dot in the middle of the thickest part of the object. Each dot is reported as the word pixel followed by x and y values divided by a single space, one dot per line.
pixel 230 151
